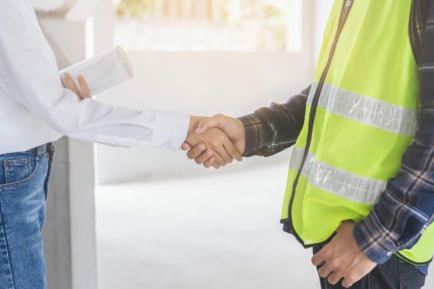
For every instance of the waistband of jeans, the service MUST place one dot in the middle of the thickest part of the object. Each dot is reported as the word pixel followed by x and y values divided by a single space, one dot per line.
pixel 39 150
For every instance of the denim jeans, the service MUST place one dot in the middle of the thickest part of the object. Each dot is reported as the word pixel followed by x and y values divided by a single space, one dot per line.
pixel 394 274
pixel 24 180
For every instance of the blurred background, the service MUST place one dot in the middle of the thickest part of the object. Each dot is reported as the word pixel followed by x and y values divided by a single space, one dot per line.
pixel 138 218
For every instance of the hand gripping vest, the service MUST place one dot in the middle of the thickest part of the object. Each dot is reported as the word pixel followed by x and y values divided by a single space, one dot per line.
pixel 361 115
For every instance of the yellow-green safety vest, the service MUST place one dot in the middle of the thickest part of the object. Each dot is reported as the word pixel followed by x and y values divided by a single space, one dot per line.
pixel 361 116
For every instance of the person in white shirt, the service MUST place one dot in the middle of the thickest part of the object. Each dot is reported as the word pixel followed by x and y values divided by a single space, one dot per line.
pixel 36 110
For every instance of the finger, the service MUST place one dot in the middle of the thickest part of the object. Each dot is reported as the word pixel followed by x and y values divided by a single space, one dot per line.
pixel 224 155
pixel 210 163
pixel 69 82
pixel 232 150
pixel 206 155
pixel 196 151
pixel 346 283
pixel 334 277
pixel 85 92
pixel 219 160
pixel 318 258
pixel 185 146
pixel 71 85
pixel 324 271
pixel 352 277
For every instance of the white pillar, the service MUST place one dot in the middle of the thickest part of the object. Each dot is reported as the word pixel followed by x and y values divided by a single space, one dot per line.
pixel 322 8
pixel 217 11
pixel 294 21
pixel 172 9
pixel 159 9
pixel 186 9
pixel 201 9
pixel 82 198
pixel 308 31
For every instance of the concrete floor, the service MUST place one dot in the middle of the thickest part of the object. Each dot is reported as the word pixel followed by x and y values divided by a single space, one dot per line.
pixel 215 231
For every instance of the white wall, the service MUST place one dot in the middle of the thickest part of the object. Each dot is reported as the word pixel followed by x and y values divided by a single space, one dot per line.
pixel 207 83
pixel 322 7
pixel 200 84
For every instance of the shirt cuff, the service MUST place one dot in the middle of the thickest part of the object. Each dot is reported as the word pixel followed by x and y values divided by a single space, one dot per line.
pixel 372 240
pixel 170 130
pixel 252 126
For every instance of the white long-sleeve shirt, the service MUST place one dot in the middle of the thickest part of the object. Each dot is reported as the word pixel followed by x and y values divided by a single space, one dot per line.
pixel 35 109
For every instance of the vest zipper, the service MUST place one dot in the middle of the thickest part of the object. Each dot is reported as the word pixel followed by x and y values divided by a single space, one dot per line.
pixel 347 5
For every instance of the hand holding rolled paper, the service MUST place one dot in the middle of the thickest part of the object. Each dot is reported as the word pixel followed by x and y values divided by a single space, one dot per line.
pixel 101 71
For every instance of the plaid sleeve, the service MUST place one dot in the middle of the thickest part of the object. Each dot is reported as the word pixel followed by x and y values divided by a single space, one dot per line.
pixel 270 130
pixel 406 208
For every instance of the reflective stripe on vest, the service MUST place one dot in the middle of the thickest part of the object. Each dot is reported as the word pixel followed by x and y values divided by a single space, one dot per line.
pixel 336 181
pixel 370 111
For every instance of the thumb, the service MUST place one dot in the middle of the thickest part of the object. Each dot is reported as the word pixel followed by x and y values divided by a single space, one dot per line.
pixel 207 123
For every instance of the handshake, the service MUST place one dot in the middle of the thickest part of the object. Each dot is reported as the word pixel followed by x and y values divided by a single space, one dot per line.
pixel 215 141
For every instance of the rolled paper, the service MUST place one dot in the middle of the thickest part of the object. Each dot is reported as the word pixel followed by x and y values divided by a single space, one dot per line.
pixel 101 71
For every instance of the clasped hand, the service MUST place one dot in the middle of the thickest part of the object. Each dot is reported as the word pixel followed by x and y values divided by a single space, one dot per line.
pixel 215 141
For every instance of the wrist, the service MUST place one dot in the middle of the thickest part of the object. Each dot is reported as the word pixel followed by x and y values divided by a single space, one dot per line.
pixel 242 140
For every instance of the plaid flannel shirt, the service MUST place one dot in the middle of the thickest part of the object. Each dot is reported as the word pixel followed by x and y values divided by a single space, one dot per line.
pixel 406 208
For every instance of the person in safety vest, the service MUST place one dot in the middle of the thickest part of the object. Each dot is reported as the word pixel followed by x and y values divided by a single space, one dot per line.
pixel 360 185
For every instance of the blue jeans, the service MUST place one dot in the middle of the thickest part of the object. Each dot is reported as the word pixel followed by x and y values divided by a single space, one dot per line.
pixel 24 180
pixel 394 274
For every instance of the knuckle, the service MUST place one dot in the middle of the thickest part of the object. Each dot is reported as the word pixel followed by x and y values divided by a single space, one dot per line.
pixel 351 278
pixel 323 273
pixel 196 151
pixel 332 280
pixel 214 165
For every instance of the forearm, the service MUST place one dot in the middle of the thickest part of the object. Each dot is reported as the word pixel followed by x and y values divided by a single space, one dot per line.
pixel 402 214
pixel 273 129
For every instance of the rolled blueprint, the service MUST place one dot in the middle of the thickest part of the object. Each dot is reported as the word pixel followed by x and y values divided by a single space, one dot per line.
pixel 101 71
